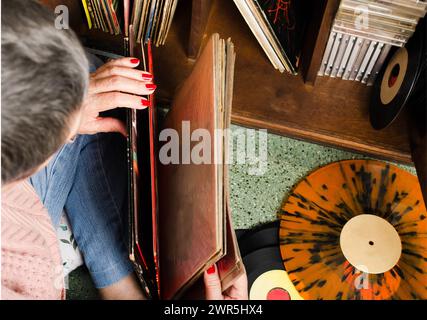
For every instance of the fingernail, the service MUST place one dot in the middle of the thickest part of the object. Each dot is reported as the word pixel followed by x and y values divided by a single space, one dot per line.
pixel 211 270
pixel 145 103
pixel 134 60
pixel 151 86
pixel 147 76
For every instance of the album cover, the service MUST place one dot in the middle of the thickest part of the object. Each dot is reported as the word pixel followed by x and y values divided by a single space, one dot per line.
pixel 151 18
pixel 286 18
pixel 142 163
pixel 193 198
pixel 179 214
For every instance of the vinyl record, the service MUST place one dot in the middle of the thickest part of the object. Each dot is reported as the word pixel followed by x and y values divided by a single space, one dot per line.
pixel 418 95
pixel 396 81
pixel 266 235
pixel 356 229
pixel 267 278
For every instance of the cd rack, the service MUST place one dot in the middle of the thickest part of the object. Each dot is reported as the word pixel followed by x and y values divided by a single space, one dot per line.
pixel 364 32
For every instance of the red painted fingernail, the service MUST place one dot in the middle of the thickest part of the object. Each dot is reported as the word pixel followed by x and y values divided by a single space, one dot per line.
pixel 145 103
pixel 134 60
pixel 147 76
pixel 211 270
pixel 151 86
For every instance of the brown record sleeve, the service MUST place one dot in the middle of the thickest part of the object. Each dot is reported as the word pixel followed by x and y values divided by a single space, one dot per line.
pixel 188 215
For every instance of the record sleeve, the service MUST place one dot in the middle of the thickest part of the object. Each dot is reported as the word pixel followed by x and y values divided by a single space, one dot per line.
pixel 143 204
pixel 179 214
pixel 287 20
pixel 194 196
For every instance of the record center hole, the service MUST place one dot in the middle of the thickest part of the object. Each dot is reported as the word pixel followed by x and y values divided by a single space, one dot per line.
pixel 393 75
pixel 371 243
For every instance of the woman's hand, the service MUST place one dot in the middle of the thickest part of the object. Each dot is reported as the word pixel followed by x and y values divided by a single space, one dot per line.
pixel 238 291
pixel 114 85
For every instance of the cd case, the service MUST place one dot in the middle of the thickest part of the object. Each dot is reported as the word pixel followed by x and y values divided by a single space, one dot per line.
pixel 179 214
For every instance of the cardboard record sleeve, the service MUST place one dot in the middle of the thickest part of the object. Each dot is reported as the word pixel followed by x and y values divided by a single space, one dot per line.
pixel 179 213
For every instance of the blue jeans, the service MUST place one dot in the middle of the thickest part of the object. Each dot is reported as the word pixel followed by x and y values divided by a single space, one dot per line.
pixel 88 179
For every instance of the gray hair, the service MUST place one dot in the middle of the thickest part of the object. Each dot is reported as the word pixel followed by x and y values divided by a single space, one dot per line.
pixel 44 79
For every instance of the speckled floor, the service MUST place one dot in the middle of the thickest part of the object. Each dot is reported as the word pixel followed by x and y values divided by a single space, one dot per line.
pixel 255 198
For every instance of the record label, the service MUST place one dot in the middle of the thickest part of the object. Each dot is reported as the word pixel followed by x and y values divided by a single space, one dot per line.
pixel 273 285
pixel 370 243
pixel 394 76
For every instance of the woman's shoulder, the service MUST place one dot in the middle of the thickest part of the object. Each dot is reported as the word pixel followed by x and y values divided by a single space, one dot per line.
pixel 31 263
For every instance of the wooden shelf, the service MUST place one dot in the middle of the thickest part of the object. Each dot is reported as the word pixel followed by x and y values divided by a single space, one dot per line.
pixel 333 112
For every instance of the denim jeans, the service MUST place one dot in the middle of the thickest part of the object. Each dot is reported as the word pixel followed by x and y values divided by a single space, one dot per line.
pixel 88 180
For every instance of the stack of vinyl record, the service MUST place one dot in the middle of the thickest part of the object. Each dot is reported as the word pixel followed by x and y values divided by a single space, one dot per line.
pixel 363 33
pixel 151 19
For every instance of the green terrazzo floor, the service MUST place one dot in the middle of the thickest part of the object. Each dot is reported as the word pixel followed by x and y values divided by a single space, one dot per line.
pixel 257 199
pixel 254 198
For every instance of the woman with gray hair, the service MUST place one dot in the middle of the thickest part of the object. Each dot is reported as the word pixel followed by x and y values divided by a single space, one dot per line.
pixel 51 137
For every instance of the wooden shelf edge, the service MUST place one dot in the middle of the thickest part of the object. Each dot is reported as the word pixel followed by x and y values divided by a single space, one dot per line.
pixel 345 143
pixel 316 38
pixel 200 12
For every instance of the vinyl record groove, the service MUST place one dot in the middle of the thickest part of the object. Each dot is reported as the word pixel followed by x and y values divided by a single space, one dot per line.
pixel 327 200
pixel 260 237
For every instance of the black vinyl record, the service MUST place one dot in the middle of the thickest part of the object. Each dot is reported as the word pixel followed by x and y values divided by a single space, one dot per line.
pixel 418 95
pixel 267 277
pixel 396 81
pixel 261 261
pixel 266 235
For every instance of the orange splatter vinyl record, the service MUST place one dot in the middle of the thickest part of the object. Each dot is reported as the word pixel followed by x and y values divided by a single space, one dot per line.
pixel 356 229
